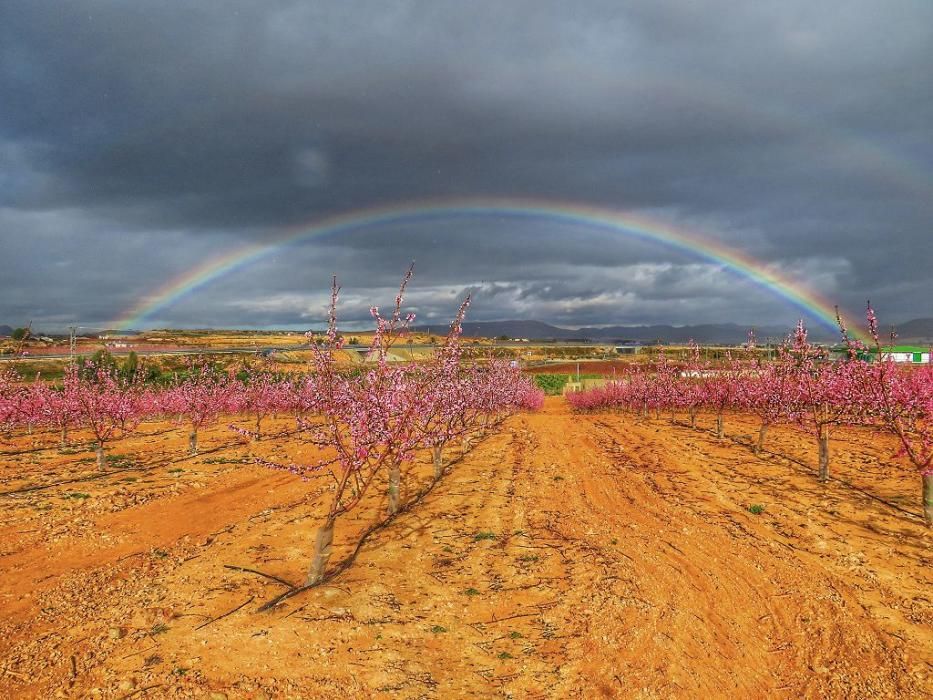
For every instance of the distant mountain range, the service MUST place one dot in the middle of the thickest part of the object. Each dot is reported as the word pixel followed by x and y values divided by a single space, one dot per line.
pixel 5 331
pixel 918 330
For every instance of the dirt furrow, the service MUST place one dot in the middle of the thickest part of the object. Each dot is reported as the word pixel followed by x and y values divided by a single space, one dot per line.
pixel 565 556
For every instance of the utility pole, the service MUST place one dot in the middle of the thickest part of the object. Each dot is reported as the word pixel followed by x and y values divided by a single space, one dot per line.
pixel 73 341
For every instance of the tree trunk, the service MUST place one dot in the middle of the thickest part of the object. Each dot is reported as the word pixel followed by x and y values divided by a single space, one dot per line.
pixel 323 546
pixel 258 428
pixel 762 433
pixel 823 440
pixel 64 436
pixel 466 445
pixel 394 479
pixel 193 443
pixel 693 418
pixel 101 457
pixel 438 461
pixel 928 498
pixel 720 432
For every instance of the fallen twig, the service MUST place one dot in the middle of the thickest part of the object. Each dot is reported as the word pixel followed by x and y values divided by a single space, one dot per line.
pixel 494 620
pixel 282 581
pixel 226 614
pixel 135 653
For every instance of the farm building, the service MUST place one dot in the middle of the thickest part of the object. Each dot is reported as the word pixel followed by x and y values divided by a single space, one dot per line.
pixel 913 354
pixel 628 349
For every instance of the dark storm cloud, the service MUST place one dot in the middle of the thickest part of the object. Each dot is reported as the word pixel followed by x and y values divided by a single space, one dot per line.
pixel 139 139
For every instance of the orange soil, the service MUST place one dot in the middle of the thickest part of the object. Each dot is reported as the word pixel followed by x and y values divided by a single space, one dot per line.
pixel 617 559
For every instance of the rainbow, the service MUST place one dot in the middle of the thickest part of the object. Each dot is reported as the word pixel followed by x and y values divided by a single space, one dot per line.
pixel 635 226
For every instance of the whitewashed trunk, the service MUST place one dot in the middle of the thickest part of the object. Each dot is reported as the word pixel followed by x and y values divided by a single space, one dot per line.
pixel 394 483
pixel 323 547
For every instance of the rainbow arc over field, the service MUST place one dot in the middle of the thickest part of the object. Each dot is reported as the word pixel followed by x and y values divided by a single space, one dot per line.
pixel 631 225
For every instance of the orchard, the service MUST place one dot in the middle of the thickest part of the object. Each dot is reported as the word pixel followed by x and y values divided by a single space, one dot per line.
pixel 373 518
pixel 366 424
pixel 802 387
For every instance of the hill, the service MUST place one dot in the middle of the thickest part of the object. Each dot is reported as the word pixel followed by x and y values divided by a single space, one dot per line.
pixel 726 333
pixel 918 330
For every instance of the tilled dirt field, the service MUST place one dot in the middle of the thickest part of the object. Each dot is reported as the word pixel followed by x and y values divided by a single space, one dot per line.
pixel 566 555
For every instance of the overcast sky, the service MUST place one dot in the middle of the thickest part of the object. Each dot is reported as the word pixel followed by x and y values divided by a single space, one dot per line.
pixel 140 139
